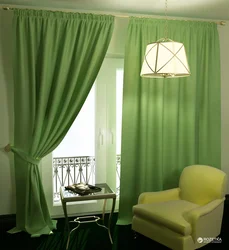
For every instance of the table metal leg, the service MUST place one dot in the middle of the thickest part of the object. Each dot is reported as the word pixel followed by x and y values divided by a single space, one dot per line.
pixel 108 227
pixel 69 234
pixel 66 217
pixel 110 219
pixel 104 208
pixel 82 220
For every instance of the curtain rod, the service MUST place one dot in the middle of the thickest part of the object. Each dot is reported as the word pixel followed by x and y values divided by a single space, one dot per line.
pixel 223 23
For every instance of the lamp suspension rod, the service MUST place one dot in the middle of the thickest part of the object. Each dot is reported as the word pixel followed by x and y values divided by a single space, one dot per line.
pixel 166 19
pixel 223 23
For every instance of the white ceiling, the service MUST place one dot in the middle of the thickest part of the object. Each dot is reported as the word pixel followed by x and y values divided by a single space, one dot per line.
pixel 204 9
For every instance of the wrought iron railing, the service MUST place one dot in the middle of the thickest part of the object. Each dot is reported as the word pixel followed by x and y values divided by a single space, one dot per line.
pixel 68 170
pixel 118 168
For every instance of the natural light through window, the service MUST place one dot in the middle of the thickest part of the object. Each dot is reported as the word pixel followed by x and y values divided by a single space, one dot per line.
pixel 80 138
pixel 119 94
pixel 89 153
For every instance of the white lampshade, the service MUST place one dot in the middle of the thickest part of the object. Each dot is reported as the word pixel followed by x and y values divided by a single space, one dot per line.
pixel 164 59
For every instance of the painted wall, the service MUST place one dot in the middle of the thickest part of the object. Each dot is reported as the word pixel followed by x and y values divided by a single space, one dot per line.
pixel 7 184
pixel 116 48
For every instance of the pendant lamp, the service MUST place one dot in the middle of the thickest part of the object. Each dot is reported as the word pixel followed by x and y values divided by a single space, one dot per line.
pixel 165 58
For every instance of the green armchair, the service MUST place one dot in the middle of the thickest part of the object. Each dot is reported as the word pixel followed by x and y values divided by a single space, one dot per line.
pixel 187 217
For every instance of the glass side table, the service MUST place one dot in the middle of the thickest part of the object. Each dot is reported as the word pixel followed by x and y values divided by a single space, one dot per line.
pixel 104 194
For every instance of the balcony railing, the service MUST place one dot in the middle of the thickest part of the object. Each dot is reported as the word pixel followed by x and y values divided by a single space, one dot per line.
pixel 68 170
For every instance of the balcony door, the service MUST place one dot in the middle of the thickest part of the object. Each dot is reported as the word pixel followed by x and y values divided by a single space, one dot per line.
pixel 91 150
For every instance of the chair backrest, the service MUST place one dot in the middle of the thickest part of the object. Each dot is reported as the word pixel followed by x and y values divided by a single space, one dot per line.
pixel 201 184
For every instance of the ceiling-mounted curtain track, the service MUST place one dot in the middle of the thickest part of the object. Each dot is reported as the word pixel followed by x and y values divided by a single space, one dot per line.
pixel 223 23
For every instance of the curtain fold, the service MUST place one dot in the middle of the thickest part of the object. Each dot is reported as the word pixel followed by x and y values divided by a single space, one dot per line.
pixel 56 59
pixel 168 123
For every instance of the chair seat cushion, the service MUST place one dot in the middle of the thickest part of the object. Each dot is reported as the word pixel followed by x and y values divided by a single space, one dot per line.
pixel 168 214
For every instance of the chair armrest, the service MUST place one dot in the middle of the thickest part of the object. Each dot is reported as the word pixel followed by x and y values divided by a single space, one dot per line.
pixel 159 196
pixel 206 220
pixel 193 215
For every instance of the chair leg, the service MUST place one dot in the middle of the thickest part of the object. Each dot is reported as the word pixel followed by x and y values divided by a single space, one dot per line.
pixel 135 234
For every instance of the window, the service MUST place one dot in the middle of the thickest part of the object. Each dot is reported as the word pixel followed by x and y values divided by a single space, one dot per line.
pixel 74 158
pixel 91 150
pixel 119 97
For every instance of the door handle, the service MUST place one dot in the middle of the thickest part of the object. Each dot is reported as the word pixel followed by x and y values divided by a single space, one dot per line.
pixel 101 137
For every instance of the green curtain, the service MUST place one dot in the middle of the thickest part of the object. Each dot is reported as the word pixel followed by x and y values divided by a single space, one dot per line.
pixel 168 123
pixel 56 59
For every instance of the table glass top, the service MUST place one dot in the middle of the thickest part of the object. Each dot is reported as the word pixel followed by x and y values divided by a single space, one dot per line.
pixel 106 191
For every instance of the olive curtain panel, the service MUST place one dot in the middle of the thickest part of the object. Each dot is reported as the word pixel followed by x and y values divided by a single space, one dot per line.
pixel 168 123
pixel 56 59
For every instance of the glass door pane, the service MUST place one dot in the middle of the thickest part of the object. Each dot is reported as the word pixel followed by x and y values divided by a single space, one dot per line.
pixel 119 98
pixel 74 158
